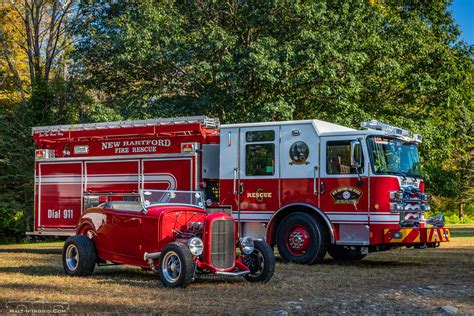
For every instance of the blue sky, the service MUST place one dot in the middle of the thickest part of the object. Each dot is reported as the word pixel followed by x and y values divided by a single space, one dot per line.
pixel 463 12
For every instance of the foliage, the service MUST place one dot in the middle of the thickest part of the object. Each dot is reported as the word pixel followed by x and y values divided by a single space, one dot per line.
pixel 10 45
pixel 342 61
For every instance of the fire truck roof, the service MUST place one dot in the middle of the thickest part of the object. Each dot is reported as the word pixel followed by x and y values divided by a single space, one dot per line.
pixel 321 127
pixel 211 123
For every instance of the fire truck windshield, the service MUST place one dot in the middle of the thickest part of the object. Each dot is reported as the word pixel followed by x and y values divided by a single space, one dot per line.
pixel 151 198
pixel 393 156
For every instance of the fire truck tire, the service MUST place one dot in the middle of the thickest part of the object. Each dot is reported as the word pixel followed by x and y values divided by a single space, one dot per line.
pixel 344 254
pixel 261 263
pixel 301 238
pixel 79 256
pixel 176 267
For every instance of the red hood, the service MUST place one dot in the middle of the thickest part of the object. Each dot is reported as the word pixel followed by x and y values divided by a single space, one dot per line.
pixel 166 208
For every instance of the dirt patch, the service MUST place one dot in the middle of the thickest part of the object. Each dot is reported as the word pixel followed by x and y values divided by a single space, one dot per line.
pixel 401 281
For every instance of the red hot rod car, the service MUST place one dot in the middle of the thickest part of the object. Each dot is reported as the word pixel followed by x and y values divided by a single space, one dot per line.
pixel 168 232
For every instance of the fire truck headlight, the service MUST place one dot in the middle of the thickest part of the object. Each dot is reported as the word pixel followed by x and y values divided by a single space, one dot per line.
pixel 196 246
pixel 246 245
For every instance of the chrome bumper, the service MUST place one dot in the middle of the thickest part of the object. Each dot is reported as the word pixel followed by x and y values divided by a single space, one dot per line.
pixel 240 273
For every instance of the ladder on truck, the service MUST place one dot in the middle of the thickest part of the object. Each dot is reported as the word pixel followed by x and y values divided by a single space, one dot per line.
pixel 207 122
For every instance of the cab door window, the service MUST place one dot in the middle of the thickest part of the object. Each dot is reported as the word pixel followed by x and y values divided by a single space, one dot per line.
pixel 339 158
pixel 260 153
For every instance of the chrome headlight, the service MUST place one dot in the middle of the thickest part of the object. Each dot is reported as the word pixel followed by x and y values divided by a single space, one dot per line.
pixel 196 246
pixel 246 245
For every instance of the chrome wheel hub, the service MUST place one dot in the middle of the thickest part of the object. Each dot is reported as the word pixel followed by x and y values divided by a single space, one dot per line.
pixel 72 257
pixel 296 240
pixel 171 267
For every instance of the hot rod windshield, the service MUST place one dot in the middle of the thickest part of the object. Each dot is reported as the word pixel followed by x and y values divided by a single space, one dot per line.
pixel 151 198
pixel 394 156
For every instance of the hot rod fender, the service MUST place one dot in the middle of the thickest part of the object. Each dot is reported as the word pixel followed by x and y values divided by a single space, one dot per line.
pixel 296 207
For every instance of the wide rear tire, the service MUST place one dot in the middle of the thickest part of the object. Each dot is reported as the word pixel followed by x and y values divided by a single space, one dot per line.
pixel 301 238
pixel 261 263
pixel 79 256
pixel 341 253
pixel 176 266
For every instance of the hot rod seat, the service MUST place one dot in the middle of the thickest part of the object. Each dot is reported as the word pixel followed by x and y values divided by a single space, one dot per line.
pixel 125 205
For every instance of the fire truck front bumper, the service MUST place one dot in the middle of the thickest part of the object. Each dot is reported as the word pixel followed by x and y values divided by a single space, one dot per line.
pixel 416 235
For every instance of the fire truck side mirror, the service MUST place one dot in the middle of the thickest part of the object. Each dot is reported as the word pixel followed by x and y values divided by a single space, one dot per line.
pixel 356 154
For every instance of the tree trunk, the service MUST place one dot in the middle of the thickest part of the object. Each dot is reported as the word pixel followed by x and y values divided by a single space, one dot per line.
pixel 461 211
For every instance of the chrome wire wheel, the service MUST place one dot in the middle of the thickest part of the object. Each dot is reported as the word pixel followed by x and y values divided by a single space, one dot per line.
pixel 171 267
pixel 72 257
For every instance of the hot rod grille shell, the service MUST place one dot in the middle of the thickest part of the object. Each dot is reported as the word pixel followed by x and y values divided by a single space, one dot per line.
pixel 222 244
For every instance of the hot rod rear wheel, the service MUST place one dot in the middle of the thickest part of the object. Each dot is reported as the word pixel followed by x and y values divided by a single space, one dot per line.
pixel 79 256
pixel 342 253
pixel 261 263
pixel 176 266
pixel 301 238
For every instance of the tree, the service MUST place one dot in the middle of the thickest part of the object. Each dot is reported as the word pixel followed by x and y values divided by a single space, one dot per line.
pixel 14 61
pixel 340 61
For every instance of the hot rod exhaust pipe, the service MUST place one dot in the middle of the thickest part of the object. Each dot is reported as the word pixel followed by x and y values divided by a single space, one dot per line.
pixel 151 256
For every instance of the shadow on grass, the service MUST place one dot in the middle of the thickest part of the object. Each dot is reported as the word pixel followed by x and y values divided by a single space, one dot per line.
pixel 40 270
pixel 31 286
pixel 39 251
pixel 364 263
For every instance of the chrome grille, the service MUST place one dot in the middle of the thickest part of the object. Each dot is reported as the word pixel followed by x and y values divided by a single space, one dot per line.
pixel 222 244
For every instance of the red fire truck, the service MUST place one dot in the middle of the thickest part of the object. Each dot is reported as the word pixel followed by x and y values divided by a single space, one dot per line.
pixel 308 187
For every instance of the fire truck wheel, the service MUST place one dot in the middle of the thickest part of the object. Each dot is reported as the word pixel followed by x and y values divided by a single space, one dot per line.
pixel 261 263
pixel 344 254
pixel 302 239
pixel 176 266
pixel 79 256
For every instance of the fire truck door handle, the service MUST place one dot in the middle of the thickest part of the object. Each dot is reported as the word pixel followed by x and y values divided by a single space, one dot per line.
pixel 315 177
pixel 323 188
pixel 241 188
pixel 235 181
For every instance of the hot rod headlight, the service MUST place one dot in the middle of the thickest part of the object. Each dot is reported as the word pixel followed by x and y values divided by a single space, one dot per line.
pixel 246 245
pixel 196 246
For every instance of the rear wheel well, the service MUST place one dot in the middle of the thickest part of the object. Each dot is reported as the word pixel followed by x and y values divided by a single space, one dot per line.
pixel 281 214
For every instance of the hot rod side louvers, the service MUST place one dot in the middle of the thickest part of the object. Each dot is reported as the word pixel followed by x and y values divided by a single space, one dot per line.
pixel 222 244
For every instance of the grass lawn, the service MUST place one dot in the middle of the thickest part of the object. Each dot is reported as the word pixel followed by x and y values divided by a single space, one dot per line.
pixel 398 281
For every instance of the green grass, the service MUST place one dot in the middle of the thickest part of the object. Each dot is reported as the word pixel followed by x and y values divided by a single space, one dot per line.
pixel 462 230
pixel 405 281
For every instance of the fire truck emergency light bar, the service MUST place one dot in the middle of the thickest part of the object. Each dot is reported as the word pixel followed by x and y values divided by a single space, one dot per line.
pixel 379 126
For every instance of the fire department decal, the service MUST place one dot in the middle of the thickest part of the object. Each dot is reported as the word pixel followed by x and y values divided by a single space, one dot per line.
pixel 136 146
pixel 299 153
pixel 259 195
pixel 346 195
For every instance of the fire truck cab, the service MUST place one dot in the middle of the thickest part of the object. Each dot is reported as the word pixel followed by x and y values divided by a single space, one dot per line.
pixel 308 187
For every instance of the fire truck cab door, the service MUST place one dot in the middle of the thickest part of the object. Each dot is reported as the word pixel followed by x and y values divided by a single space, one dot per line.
pixel 259 172
pixel 344 195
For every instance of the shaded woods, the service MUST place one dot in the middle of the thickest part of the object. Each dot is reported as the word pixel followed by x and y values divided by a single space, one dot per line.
pixel 66 62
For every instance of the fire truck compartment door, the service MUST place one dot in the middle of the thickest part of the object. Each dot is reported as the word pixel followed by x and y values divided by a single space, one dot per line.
pixel 344 194
pixel 58 194
pixel 259 168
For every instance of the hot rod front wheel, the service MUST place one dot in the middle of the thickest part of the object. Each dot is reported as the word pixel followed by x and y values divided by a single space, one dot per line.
pixel 261 263
pixel 176 266
pixel 79 256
